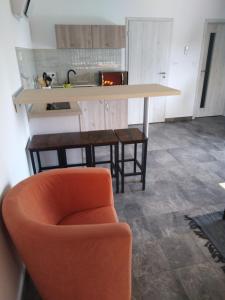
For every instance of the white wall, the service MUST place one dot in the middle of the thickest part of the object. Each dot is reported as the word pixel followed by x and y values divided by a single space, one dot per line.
pixel 189 17
pixel 13 136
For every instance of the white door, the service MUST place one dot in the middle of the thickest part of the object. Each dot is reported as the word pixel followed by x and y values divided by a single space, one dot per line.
pixel 148 62
pixel 211 92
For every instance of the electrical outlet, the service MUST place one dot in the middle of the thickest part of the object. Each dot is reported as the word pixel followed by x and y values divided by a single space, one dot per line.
pixel 53 76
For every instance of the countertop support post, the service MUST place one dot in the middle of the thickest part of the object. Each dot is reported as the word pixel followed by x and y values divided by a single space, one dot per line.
pixel 146 116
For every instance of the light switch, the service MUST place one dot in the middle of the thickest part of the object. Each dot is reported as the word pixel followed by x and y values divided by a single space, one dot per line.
pixel 186 49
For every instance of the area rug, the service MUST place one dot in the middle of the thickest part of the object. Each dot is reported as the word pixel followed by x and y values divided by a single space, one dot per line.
pixel 211 227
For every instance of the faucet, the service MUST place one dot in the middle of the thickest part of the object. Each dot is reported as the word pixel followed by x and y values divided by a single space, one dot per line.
pixel 68 75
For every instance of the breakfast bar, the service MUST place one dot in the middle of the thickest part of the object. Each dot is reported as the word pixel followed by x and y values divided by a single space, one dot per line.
pixel 146 91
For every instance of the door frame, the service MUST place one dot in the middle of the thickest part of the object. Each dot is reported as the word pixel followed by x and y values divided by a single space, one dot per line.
pixel 147 19
pixel 198 86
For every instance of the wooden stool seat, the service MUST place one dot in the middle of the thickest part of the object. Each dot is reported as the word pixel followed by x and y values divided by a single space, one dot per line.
pixel 132 136
pixel 44 142
pixel 58 142
pixel 102 137
pixel 75 139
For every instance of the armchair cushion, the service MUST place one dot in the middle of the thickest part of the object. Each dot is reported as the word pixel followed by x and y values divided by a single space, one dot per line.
pixel 99 215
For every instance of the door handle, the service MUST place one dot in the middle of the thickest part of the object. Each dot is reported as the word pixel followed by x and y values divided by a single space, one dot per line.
pixel 107 106
pixel 122 79
pixel 163 74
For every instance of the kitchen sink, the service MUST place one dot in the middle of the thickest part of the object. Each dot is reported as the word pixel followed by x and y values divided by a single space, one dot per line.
pixel 85 85
pixel 58 106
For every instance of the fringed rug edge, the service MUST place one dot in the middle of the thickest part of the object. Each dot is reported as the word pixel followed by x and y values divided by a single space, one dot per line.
pixel 215 253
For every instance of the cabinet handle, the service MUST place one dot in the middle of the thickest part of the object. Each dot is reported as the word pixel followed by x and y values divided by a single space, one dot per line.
pixel 122 78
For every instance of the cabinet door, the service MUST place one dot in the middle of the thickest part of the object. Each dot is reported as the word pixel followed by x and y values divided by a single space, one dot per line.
pixel 93 115
pixel 108 36
pixel 73 36
pixel 116 114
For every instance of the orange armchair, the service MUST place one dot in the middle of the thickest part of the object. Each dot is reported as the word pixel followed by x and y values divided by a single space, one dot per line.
pixel 65 228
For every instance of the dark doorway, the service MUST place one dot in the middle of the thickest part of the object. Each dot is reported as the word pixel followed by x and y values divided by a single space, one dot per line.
pixel 207 70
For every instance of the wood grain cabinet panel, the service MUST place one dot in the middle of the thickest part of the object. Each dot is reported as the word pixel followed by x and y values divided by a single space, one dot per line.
pixel 90 36
pixel 73 36
pixel 93 115
pixel 100 115
pixel 108 36
pixel 116 114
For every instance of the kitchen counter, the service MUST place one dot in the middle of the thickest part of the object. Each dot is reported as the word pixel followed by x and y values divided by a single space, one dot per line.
pixel 39 111
pixel 146 91
pixel 94 93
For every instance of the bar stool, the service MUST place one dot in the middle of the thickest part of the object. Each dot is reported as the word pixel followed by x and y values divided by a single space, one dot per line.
pixel 75 140
pixel 132 136
pixel 101 138
pixel 58 142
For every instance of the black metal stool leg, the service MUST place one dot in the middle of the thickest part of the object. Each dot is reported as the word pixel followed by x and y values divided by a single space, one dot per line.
pixel 33 162
pixel 93 156
pixel 122 169
pixel 135 157
pixel 88 156
pixel 111 159
pixel 62 157
pixel 117 167
pixel 39 162
pixel 144 161
pixel 59 158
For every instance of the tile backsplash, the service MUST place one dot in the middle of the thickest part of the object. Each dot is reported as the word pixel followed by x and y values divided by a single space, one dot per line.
pixel 86 62
pixel 27 67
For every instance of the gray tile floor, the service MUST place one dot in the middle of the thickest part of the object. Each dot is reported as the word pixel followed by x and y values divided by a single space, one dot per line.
pixel 186 163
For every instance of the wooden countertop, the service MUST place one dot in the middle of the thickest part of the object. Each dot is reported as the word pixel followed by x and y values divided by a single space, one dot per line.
pixel 39 111
pixel 94 93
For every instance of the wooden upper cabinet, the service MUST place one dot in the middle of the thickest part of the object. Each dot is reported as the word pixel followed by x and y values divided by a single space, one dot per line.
pixel 73 36
pixel 108 36
pixel 90 36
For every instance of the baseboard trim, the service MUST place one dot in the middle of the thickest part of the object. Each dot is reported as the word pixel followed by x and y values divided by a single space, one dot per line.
pixel 169 120
pixel 179 119
pixel 21 284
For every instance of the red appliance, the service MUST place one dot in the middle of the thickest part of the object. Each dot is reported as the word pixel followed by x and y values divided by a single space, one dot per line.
pixel 113 78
